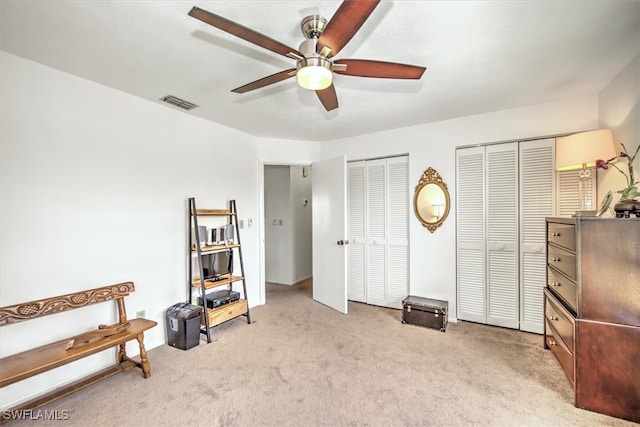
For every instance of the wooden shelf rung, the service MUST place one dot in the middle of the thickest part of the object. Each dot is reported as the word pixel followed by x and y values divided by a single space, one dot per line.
pixel 214 212
pixel 208 284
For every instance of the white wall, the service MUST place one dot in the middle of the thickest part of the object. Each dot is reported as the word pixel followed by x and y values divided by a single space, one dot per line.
pixel 433 256
pixel 301 219
pixel 278 225
pixel 619 110
pixel 94 186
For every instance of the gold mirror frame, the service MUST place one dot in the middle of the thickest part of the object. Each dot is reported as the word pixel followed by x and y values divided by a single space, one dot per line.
pixel 431 202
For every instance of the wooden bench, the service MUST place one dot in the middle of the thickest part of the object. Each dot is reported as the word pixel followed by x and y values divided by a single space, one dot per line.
pixel 23 365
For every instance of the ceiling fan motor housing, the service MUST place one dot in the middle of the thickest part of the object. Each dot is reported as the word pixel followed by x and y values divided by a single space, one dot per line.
pixel 312 26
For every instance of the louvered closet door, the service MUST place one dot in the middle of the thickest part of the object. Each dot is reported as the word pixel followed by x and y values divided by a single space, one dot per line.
pixel 398 231
pixel 502 235
pixel 356 200
pixel 470 217
pixel 537 181
pixel 376 237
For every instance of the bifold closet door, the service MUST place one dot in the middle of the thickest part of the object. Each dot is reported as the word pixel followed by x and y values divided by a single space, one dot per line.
pixel 376 232
pixel 537 183
pixel 470 218
pixel 356 285
pixel 398 231
pixel 379 231
pixel 503 297
pixel 487 239
pixel 503 193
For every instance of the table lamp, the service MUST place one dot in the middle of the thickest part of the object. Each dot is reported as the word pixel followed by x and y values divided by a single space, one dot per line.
pixel 580 152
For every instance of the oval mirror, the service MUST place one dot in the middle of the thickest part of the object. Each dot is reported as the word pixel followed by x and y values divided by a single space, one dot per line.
pixel 431 200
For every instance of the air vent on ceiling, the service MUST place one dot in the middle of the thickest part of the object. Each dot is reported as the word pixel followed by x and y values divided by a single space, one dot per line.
pixel 180 103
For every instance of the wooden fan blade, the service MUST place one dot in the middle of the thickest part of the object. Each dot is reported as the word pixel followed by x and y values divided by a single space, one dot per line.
pixel 379 69
pixel 243 32
pixel 266 81
pixel 328 97
pixel 345 23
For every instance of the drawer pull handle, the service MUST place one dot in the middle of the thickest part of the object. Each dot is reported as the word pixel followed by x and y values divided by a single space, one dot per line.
pixel 555 259
pixel 552 318
pixel 555 284
pixel 555 234
pixel 552 342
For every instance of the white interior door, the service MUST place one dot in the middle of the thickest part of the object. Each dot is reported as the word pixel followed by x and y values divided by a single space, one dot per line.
pixel 329 203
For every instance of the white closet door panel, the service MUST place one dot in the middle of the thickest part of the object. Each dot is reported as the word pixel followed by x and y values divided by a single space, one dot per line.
pixel 533 279
pixel 376 199
pixel 537 179
pixel 502 194
pixel 376 274
pixel 537 182
pixel 398 199
pixel 376 232
pixel 471 285
pixel 502 234
pixel 397 275
pixel 356 199
pixel 398 226
pixel 357 274
pixel 503 295
pixel 470 195
pixel 356 289
pixel 470 218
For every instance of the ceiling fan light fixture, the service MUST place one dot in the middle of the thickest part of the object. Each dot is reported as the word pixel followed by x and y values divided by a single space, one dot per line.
pixel 314 73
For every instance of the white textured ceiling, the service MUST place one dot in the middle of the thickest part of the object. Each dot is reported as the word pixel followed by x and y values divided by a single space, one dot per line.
pixel 480 56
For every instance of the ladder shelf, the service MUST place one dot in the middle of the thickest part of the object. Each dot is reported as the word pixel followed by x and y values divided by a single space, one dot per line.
pixel 199 247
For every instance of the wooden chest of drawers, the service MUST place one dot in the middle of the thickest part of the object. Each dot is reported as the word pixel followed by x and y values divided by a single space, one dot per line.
pixel 592 310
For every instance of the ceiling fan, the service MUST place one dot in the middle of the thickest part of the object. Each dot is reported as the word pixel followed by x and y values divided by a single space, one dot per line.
pixel 323 40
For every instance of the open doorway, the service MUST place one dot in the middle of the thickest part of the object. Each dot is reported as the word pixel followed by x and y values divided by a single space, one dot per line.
pixel 287 230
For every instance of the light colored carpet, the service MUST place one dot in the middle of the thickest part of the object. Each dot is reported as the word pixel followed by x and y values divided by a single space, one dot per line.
pixel 303 364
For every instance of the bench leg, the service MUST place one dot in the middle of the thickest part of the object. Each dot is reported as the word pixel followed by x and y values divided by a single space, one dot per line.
pixel 122 353
pixel 144 360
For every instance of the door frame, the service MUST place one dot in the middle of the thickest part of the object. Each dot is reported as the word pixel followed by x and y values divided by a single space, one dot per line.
pixel 262 249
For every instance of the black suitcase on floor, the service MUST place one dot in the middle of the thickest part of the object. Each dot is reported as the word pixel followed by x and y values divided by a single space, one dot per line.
pixel 429 313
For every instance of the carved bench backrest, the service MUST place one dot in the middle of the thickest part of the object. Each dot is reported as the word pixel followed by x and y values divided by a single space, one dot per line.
pixel 33 309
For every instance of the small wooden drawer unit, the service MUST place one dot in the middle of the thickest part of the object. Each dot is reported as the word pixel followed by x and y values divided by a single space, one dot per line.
pixel 226 312
pixel 592 310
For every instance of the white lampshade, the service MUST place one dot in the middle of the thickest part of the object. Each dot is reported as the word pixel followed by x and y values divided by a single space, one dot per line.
pixel 314 77
pixel 314 73
pixel 581 150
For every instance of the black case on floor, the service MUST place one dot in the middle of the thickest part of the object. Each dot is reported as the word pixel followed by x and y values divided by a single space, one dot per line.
pixel 429 313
